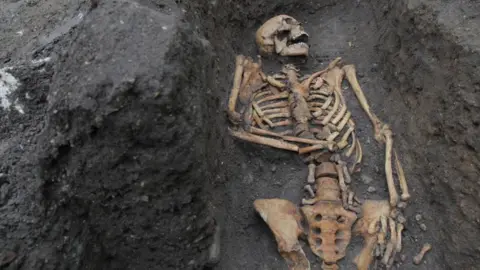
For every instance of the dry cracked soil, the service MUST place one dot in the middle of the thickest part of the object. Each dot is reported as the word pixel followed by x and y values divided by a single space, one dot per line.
pixel 114 150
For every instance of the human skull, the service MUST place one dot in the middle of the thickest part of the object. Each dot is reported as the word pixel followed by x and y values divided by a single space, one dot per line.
pixel 283 35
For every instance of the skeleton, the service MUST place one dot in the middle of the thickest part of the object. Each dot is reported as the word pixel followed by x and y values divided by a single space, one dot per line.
pixel 308 115
pixel 283 35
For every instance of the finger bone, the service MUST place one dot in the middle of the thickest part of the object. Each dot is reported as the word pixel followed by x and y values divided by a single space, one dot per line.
pixel 419 257
pixel 400 228
pixel 310 191
pixel 311 173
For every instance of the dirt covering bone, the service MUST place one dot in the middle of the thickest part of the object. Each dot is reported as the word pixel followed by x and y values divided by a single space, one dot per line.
pixel 309 115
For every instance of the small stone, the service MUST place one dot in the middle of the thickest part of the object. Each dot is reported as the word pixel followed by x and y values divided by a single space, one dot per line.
pixel 418 217
pixel 403 257
pixel 402 205
pixel 401 219
pixel 423 227
pixel 274 168
pixel 144 198
pixel 371 189
pixel 366 179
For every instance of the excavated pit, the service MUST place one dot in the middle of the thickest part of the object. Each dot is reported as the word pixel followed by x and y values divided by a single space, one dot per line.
pixel 121 159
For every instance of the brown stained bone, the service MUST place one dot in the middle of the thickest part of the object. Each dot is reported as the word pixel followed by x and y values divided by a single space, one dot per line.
pixel 311 173
pixel 382 131
pixel 273 97
pixel 252 81
pixel 372 211
pixel 334 109
pixel 340 115
pixel 382 234
pixel 281 123
pixel 232 102
pixel 400 228
pixel 419 257
pixel 344 121
pixel 344 141
pixel 349 151
pixel 262 93
pixel 331 65
pixel 350 197
pixel 278 115
pixel 258 120
pixel 392 191
pixel 332 136
pixel 284 220
pixel 343 186
pixel 258 131
pixel 276 110
pixel 318 83
pixel 358 156
pixel 269 40
pixel 280 104
pixel 334 78
pixel 310 191
pixel 272 81
pixel 309 149
pixel 329 223
pixel 350 73
pixel 392 243
pixel 312 97
pixel 401 178
pixel 241 134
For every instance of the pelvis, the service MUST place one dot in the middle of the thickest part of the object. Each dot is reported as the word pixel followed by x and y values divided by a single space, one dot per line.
pixel 329 224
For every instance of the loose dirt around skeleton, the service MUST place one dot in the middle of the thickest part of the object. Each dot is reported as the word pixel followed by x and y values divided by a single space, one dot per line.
pixel 348 30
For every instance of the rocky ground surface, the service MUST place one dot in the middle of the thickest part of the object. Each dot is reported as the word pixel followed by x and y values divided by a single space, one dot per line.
pixel 114 150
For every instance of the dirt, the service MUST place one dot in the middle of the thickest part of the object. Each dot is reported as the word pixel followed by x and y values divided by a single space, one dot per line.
pixel 121 159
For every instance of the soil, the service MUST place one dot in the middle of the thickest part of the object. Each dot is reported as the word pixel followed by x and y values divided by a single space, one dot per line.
pixel 114 150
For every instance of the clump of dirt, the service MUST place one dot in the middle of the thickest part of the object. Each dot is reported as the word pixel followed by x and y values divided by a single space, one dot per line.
pixel 115 152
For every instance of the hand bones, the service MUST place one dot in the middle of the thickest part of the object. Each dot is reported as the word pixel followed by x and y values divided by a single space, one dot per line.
pixel 283 35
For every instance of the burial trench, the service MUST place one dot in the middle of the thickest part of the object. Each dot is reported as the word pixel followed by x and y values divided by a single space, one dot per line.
pixel 408 60
pixel 120 176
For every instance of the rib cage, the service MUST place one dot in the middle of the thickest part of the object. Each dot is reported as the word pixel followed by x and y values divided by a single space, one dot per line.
pixel 331 120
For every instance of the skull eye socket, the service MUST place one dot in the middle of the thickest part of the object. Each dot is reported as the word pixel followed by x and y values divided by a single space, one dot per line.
pixel 341 219
pixel 289 20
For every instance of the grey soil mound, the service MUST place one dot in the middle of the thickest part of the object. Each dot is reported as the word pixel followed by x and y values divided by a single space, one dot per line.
pixel 114 150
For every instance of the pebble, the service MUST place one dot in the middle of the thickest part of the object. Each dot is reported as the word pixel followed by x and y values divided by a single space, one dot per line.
pixel 144 198
pixel 371 189
pixel 418 217
pixel 274 168
pixel 401 219
pixel 366 179
pixel 423 227
pixel 402 205
pixel 403 257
